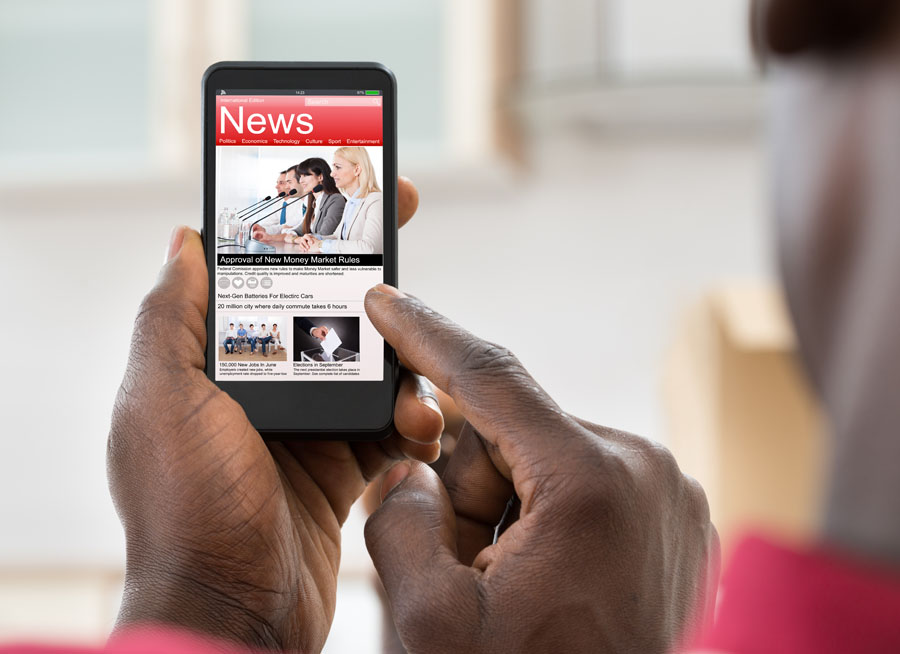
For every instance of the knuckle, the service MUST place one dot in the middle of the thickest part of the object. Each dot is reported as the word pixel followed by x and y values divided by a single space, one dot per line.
pixel 154 313
pixel 695 499
pixel 166 317
pixel 602 490
pixel 482 355
pixel 148 311
pixel 481 364
pixel 663 465
pixel 671 482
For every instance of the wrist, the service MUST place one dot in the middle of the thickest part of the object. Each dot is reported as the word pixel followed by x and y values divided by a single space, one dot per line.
pixel 179 599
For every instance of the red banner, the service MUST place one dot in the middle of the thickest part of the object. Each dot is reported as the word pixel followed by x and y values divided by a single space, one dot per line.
pixel 332 120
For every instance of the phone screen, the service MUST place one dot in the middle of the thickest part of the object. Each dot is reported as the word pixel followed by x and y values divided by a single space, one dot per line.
pixel 300 223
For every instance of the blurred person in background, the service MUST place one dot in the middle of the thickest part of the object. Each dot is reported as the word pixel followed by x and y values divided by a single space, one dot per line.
pixel 835 126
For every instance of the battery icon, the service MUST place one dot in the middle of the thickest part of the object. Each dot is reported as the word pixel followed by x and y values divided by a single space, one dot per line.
pixel 373 92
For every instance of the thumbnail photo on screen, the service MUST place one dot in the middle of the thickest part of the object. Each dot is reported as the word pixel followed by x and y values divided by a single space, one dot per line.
pixel 326 338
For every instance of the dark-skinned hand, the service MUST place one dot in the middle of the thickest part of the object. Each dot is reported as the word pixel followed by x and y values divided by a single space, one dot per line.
pixel 228 535
pixel 612 549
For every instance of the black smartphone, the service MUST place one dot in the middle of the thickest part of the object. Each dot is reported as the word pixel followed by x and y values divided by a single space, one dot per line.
pixel 300 220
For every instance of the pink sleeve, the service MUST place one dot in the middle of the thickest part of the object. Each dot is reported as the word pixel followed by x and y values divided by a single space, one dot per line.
pixel 144 639
pixel 782 601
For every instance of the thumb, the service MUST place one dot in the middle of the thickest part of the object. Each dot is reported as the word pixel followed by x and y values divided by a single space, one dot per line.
pixel 185 268
pixel 167 347
pixel 173 313
pixel 412 541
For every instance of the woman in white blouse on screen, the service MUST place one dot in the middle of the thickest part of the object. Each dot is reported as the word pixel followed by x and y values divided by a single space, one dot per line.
pixel 361 230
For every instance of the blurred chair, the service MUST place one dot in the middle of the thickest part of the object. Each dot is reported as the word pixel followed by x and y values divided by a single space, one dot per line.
pixel 742 418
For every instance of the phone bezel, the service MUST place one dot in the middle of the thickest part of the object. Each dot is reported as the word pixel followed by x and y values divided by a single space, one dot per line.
pixel 308 409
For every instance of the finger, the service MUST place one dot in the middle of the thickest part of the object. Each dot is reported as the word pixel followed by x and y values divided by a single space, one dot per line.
pixel 491 388
pixel 424 452
pixel 417 414
pixel 341 470
pixel 376 457
pixel 412 541
pixel 453 419
pixel 407 200
pixel 478 492
pixel 329 466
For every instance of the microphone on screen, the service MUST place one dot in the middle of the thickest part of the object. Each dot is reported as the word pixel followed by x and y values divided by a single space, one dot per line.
pixel 266 206
pixel 265 199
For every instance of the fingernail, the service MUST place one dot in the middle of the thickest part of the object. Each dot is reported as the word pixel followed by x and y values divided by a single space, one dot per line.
pixel 387 289
pixel 431 402
pixel 393 477
pixel 176 240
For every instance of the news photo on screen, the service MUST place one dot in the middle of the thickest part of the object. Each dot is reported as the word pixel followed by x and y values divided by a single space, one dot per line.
pixel 299 235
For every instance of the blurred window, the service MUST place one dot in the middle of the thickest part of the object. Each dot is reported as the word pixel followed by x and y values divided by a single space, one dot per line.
pixel 73 77
pixel 635 40
pixel 405 36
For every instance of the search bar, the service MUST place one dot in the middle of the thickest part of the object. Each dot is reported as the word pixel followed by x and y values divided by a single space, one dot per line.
pixel 342 101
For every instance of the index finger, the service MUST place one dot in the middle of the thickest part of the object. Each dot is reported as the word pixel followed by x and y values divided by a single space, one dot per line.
pixel 492 389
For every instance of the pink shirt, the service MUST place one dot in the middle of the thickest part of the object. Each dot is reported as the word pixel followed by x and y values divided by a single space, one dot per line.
pixel 140 640
pixel 775 600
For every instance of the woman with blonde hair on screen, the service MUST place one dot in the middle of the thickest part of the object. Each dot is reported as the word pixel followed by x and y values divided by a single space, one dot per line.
pixel 361 228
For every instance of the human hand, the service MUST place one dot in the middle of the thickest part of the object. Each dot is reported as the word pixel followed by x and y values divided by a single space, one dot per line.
pixel 308 243
pixel 320 332
pixel 226 534
pixel 612 549
pixel 259 233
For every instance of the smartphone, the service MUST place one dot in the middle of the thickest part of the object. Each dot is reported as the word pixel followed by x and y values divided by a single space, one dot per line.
pixel 300 220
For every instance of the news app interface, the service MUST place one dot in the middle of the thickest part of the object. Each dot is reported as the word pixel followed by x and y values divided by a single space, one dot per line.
pixel 300 224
